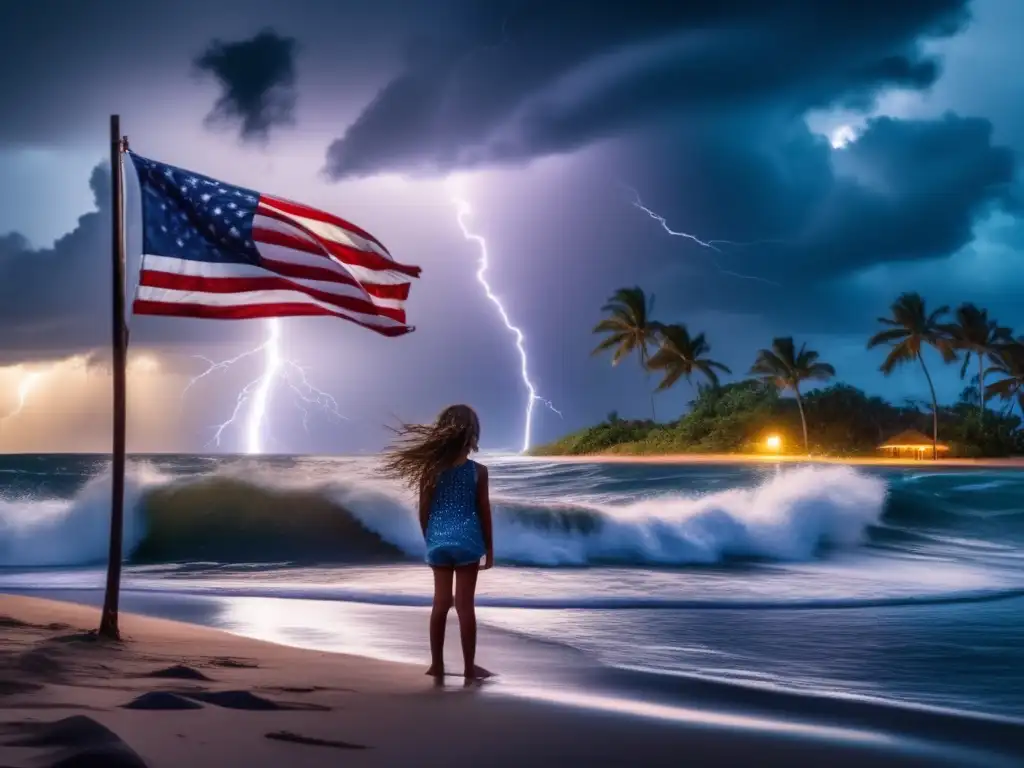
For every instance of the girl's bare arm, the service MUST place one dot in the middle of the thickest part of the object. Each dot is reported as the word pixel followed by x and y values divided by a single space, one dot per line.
pixel 483 507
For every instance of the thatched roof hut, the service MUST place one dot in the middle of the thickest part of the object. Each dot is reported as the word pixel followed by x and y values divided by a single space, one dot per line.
pixel 910 444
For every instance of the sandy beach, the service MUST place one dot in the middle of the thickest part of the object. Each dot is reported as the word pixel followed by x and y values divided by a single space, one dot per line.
pixel 1012 462
pixel 173 694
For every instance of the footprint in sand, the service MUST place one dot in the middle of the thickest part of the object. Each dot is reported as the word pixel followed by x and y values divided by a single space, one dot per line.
pixel 234 663
pixel 13 687
pixel 295 738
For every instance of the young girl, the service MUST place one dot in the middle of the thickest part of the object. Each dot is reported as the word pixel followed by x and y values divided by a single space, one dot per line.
pixel 455 515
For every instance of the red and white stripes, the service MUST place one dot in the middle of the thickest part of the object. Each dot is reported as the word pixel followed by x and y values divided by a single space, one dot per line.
pixel 311 263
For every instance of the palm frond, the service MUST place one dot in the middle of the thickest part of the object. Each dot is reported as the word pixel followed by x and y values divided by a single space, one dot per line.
pixel 608 343
pixel 672 375
pixel 627 345
pixel 708 371
pixel 610 325
pixel 901 353
pixel 887 337
pixel 820 371
pixel 967 360
pixel 661 359
pixel 1003 388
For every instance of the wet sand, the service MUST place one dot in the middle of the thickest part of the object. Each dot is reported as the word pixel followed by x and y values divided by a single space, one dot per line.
pixel 172 694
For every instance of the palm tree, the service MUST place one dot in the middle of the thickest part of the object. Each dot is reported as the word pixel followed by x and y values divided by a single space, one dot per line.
pixel 786 368
pixel 680 355
pixel 1008 362
pixel 911 328
pixel 629 327
pixel 975 334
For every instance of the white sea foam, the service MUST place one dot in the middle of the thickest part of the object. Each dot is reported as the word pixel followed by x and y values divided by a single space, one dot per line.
pixel 787 517
pixel 75 531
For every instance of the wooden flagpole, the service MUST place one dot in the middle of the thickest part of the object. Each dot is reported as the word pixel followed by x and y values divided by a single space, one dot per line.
pixel 108 621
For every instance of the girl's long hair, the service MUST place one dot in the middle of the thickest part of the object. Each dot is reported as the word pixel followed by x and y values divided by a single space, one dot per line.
pixel 421 452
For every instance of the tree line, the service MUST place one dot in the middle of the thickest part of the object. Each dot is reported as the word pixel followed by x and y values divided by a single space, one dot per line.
pixel 963 335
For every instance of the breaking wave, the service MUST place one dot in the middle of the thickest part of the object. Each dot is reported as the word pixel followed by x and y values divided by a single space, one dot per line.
pixel 792 516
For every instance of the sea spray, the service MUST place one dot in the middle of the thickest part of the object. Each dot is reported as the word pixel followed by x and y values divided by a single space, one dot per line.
pixel 789 516
pixel 75 531
pixel 228 517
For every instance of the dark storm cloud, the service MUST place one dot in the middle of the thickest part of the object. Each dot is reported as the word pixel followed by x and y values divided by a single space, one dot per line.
pixel 517 80
pixel 53 301
pixel 257 78
pixel 66 66
pixel 905 190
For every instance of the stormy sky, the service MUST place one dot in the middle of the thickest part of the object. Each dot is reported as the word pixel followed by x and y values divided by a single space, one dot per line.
pixel 835 153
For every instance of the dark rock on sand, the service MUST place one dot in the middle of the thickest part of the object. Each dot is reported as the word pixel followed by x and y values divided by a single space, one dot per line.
pixel 107 756
pixel 75 731
pixel 161 700
pixel 78 742
pixel 179 672
pixel 248 701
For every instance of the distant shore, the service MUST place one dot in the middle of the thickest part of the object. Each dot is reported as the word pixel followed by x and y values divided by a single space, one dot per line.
pixel 1012 462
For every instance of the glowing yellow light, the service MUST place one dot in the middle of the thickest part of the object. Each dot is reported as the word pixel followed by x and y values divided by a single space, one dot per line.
pixel 773 442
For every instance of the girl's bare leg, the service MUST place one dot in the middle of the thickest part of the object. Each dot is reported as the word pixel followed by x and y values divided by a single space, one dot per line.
pixel 439 618
pixel 465 599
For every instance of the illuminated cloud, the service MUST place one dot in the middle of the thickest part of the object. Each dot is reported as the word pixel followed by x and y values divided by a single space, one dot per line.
pixel 901 191
pixel 842 136
pixel 65 405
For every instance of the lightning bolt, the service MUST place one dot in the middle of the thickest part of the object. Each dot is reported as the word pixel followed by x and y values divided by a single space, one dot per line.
pixel 711 245
pixel 256 394
pixel 463 210
pixel 25 386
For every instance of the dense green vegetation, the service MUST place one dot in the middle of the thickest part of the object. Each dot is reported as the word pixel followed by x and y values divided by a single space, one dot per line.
pixel 836 419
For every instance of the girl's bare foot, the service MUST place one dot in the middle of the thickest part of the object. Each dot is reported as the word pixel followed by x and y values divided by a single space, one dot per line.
pixel 436 670
pixel 478 673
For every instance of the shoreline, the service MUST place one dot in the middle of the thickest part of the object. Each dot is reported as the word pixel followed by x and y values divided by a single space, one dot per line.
pixel 174 694
pixel 1013 462
pixel 1010 462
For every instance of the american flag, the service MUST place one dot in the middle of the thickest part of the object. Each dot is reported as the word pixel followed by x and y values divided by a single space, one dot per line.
pixel 214 250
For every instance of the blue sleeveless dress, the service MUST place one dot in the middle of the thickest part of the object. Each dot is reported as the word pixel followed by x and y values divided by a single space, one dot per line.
pixel 454 537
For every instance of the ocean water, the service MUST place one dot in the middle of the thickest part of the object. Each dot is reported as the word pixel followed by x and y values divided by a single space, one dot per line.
pixel 871 586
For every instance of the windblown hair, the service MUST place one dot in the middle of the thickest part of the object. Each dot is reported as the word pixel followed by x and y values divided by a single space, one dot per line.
pixel 421 452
